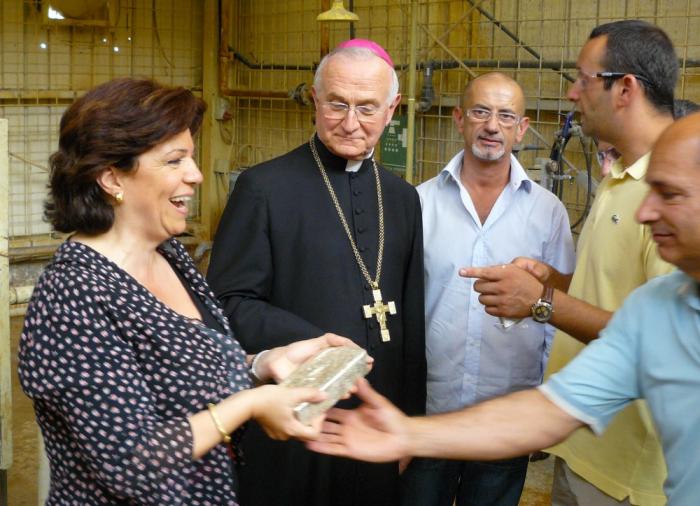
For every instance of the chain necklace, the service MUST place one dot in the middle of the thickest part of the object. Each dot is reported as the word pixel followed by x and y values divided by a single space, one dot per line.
pixel 378 309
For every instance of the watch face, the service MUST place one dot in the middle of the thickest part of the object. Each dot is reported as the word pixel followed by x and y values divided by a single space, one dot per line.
pixel 542 312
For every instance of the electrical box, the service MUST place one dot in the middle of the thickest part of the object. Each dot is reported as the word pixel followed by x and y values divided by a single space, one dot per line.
pixel 394 144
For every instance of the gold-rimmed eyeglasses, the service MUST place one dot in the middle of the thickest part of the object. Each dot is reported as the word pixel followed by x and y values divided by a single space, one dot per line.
pixel 365 113
pixel 505 118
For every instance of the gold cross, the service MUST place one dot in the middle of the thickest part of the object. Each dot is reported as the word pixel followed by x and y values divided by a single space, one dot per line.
pixel 379 310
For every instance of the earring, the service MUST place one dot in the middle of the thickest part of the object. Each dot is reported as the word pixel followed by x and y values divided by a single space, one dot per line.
pixel 119 197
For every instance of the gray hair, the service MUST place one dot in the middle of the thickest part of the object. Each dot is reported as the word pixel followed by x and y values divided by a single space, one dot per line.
pixel 354 53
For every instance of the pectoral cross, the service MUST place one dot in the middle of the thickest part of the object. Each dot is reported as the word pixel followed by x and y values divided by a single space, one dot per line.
pixel 379 310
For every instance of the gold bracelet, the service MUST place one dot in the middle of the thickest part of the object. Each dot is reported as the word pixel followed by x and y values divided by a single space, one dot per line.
pixel 215 418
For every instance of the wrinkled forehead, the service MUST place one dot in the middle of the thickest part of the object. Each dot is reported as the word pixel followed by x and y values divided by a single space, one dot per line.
pixel 346 75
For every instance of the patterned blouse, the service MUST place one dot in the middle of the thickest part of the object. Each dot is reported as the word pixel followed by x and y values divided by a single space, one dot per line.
pixel 114 374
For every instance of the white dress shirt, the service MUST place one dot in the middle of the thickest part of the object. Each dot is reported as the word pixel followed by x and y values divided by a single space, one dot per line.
pixel 471 355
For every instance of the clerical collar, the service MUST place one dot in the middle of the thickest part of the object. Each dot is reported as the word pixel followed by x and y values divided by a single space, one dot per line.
pixel 354 165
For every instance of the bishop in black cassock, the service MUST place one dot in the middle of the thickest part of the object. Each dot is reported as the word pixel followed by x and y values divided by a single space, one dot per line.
pixel 285 271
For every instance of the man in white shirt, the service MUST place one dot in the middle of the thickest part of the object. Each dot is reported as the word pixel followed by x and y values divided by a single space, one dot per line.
pixel 482 209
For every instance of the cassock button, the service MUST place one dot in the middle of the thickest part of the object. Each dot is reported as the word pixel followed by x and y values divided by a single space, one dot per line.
pixel 372 347
pixel 367 287
pixel 359 211
pixel 361 230
pixel 353 175
pixel 362 249
pixel 357 192
pixel 371 325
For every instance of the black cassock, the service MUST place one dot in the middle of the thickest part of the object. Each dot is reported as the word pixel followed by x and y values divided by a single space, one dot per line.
pixel 284 270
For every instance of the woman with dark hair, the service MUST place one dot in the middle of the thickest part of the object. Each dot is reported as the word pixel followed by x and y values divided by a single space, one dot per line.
pixel 136 381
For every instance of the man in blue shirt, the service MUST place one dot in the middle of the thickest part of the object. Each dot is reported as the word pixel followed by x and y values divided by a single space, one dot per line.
pixel 482 209
pixel 649 350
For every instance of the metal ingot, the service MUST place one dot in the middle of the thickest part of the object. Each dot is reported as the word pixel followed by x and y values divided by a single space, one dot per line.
pixel 334 371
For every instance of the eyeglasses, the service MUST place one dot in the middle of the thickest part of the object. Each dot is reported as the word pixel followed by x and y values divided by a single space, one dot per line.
pixel 505 118
pixel 338 110
pixel 582 75
pixel 610 154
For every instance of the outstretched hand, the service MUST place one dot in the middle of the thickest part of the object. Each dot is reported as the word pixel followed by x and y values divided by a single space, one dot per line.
pixel 377 431
pixel 506 290
pixel 278 363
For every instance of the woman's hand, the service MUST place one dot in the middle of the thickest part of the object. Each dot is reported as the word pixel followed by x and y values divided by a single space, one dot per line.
pixel 278 363
pixel 273 408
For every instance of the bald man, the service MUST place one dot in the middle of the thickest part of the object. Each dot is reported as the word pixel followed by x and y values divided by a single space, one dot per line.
pixel 480 210
pixel 649 350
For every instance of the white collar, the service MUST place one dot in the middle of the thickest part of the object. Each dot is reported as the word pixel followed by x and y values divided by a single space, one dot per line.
pixel 354 165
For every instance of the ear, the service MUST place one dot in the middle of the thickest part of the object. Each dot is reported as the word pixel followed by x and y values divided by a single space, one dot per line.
pixel 628 87
pixel 110 181
pixel 522 128
pixel 458 117
pixel 315 96
pixel 392 107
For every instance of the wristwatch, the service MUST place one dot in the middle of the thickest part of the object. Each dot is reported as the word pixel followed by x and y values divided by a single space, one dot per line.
pixel 542 309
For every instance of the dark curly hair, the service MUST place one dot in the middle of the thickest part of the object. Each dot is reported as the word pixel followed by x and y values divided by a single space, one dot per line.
pixel 111 126
pixel 638 47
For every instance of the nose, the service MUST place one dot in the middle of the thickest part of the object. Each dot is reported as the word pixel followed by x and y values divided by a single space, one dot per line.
pixel 647 212
pixel 350 121
pixel 573 92
pixel 193 175
pixel 492 124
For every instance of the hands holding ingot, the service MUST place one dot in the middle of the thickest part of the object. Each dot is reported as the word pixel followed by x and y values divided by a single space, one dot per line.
pixel 273 405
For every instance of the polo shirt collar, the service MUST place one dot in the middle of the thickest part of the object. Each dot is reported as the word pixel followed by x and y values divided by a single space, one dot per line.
pixel 636 171
pixel 689 291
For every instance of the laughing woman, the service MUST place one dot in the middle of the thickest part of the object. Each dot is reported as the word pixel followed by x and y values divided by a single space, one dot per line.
pixel 137 384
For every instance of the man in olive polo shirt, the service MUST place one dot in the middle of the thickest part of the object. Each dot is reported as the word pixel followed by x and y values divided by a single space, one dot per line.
pixel 624 93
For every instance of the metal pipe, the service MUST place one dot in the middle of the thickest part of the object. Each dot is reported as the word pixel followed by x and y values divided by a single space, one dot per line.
pixel 447 64
pixel 268 66
pixel 325 31
pixel 351 8
pixel 411 123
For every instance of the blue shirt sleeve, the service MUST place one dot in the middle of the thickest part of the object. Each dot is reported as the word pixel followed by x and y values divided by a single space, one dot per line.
pixel 603 378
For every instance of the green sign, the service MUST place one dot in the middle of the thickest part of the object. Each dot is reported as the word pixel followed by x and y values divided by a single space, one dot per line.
pixel 393 144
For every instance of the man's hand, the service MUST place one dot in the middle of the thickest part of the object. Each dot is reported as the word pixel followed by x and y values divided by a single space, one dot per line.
pixel 545 273
pixel 377 431
pixel 278 363
pixel 506 290
pixel 540 270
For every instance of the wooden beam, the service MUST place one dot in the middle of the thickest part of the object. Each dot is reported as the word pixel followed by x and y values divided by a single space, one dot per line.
pixel 5 363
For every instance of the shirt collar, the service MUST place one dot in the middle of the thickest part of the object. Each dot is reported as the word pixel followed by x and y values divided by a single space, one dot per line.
pixel 635 171
pixel 518 177
pixel 354 165
pixel 689 291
